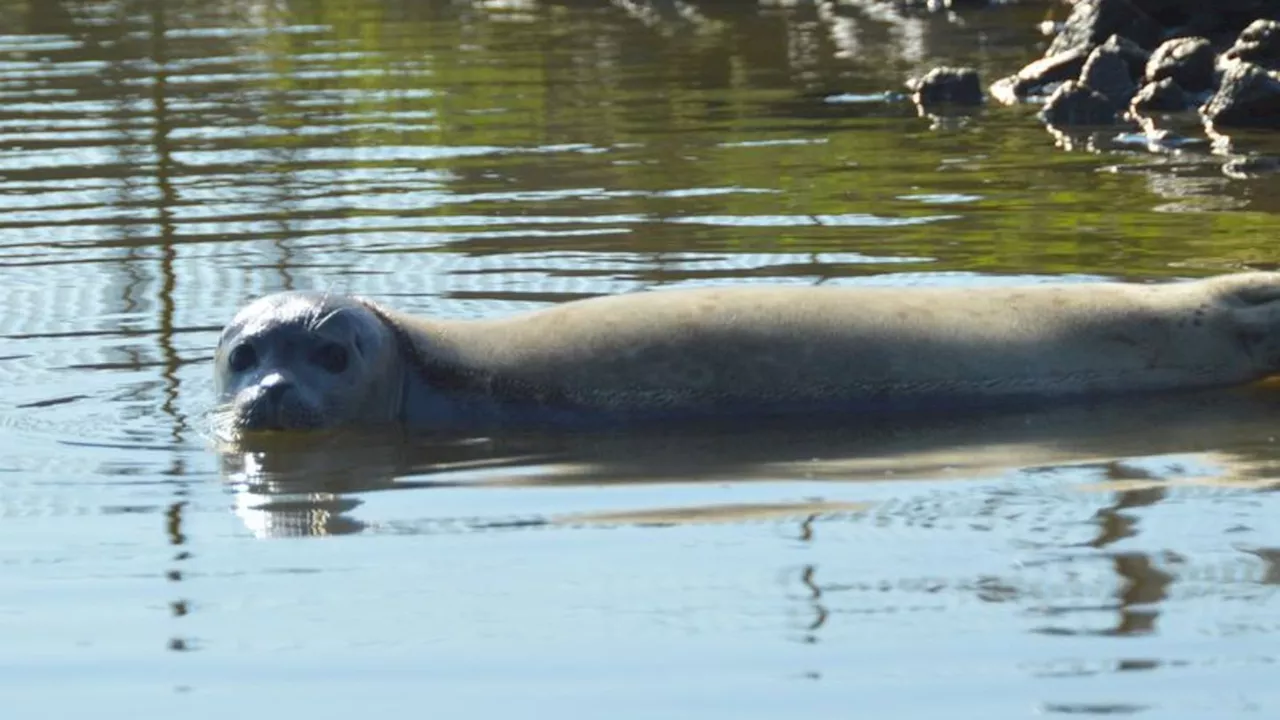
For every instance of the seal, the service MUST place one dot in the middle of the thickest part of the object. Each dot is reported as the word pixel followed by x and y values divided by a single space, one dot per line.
pixel 306 360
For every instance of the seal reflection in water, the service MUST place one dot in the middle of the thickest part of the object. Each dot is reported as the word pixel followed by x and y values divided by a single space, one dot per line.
pixel 304 360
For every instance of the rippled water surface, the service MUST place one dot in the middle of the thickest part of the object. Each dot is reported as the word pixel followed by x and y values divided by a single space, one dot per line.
pixel 163 162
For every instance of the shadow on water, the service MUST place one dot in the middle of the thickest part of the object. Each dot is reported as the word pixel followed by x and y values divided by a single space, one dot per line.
pixel 1078 573
pixel 301 485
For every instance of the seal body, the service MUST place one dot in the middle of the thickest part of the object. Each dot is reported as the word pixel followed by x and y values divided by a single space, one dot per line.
pixel 750 351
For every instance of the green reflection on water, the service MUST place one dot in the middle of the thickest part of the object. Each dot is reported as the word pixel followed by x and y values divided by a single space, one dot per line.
pixel 560 110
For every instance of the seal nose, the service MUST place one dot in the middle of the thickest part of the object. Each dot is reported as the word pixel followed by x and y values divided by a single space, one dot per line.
pixel 274 386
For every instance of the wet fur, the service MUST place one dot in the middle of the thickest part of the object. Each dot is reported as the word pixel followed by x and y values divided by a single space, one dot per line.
pixel 754 350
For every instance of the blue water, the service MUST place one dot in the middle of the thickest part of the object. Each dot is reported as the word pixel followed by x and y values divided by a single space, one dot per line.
pixel 163 163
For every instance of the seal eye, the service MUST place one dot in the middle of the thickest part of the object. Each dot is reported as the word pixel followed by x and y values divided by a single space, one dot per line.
pixel 330 356
pixel 242 358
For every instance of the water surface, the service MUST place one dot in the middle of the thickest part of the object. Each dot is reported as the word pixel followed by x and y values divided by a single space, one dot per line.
pixel 163 162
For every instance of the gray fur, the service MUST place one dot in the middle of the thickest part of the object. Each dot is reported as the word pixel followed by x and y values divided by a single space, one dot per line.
pixel 759 350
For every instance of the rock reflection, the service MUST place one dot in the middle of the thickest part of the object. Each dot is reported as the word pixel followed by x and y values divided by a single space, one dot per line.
pixel 179 607
pixel 1094 708
pixel 1114 524
pixel 1145 586
pixel 1271 559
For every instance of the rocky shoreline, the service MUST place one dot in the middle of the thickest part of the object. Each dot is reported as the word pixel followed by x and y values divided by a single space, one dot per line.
pixel 1153 64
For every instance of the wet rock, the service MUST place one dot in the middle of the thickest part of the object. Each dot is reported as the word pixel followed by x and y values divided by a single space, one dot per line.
pixel 1248 96
pixel 1106 72
pixel 1077 104
pixel 940 5
pixel 1161 96
pixel 1217 20
pixel 947 85
pixel 1258 44
pixel 1093 21
pixel 1134 56
pixel 1189 61
pixel 1251 167
pixel 1039 74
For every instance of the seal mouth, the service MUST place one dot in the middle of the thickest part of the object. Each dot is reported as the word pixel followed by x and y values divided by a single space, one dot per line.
pixel 255 410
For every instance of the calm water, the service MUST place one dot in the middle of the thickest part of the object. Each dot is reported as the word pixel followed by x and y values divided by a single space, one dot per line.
pixel 163 162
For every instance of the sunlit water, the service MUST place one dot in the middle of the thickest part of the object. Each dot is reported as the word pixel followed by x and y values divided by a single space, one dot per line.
pixel 163 162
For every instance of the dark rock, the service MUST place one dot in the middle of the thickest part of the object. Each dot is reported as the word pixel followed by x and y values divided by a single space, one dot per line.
pixel 1076 104
pixel 1189 61
pixel 1134 56
pixel 940 5
pixel 1162 96
pixel 1258 44
pixel 1168 13
pixel 936 5
pixel 1247 97
pixel 1106 72
pixel 1093 21
pixel 1217 20
pixel 1037 75
pixel 953 85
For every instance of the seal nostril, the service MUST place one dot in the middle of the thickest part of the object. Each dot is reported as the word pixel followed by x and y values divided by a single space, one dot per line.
pixel 274 387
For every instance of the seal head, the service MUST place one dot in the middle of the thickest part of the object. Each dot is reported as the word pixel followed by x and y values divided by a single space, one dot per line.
pixel 307 361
